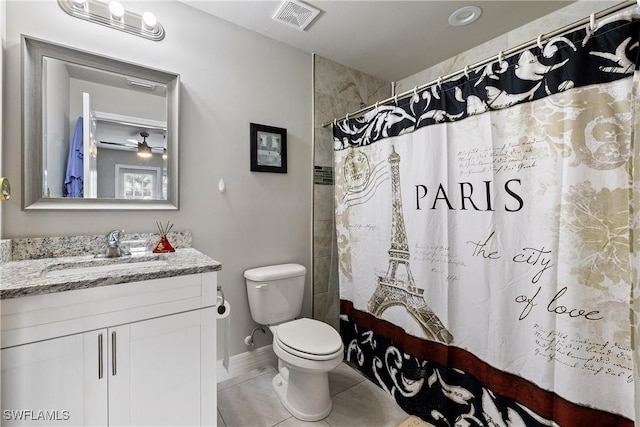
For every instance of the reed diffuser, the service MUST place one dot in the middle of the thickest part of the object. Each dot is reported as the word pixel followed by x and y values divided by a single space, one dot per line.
pixel 163 245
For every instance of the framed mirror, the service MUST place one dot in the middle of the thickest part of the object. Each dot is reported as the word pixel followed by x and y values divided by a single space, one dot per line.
pixel 97 133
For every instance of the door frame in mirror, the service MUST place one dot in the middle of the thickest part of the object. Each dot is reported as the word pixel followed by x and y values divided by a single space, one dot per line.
pixel 33 51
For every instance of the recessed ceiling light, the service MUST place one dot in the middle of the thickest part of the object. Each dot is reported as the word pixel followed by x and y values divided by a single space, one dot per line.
pixel 465 16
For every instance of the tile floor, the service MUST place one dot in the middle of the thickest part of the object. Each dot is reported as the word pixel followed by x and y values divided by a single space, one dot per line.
pixel 249 401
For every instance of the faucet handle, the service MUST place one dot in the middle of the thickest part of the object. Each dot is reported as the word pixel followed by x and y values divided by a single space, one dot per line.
pixel 113 238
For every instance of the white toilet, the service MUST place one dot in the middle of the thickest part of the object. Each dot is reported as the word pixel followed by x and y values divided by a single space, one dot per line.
pixel 307 349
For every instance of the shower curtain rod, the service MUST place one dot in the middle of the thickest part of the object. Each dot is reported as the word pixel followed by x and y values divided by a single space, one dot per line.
pixel 591 20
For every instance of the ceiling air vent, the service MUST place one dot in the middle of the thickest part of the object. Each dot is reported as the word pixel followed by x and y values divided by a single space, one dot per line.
pixel 296 14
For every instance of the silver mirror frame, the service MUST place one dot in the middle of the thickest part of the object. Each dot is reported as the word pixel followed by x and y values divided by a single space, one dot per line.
pixel 33 51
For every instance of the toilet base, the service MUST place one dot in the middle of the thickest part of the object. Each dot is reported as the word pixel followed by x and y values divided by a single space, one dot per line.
pixel 310 401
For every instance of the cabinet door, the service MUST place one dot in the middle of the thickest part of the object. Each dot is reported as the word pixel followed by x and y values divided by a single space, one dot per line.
pixel 155 371
pixel 57 382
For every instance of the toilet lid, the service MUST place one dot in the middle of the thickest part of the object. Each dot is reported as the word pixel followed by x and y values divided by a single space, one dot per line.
pixel 309 336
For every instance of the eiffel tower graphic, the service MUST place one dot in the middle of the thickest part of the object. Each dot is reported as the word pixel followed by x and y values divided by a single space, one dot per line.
pixel 393 289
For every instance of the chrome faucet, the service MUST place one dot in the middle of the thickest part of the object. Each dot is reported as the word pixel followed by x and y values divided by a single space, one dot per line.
pixel 113 244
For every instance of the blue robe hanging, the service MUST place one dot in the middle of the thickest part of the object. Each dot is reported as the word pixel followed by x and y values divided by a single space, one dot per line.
pixel 73 181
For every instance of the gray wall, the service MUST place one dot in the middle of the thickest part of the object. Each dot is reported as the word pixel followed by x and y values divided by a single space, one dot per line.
pixel 223 90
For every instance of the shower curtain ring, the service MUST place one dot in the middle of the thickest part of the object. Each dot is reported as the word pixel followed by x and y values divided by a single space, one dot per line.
pixel 335 122
pixel 500 58
pixel 439 82
pixel 592 22
pixel 539 42
pixel 466 71
pixel 346 117
pixel 376 106
pixel 415 90
pixel 395 98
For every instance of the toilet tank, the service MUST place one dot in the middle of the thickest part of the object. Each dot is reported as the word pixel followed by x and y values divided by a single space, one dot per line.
pixel 275 292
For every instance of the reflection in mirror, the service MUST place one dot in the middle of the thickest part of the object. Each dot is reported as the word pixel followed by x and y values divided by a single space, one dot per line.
pixel 123 148
pixel 105 136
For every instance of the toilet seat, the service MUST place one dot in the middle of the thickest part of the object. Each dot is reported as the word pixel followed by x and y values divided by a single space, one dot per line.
pixel 309 339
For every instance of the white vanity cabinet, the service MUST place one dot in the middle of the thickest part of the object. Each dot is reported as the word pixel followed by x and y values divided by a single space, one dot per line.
pixel 139 353
pixel 58 376
pixel 154 371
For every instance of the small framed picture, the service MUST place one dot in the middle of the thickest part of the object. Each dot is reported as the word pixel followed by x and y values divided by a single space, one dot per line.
pixel 268 149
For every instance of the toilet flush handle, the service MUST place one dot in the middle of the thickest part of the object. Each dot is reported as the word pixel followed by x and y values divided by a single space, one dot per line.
pixel 262 286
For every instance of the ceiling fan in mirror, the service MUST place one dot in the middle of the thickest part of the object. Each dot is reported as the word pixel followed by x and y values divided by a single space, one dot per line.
pixel 143 149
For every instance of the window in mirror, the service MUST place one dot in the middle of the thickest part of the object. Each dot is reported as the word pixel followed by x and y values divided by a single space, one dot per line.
pixel 138 182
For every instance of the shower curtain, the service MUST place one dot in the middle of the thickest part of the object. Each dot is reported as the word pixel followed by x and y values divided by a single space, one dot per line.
pixel 485 229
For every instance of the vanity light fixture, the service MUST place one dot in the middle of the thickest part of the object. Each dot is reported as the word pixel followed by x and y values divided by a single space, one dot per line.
pixel 112 14
pixel 117 10
pixel 149 20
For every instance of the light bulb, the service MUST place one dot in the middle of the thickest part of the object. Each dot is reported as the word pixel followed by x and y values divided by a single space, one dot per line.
pixel 149 20
pixel 117 10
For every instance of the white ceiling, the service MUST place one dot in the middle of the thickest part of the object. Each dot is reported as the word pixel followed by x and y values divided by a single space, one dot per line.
pixel 388 39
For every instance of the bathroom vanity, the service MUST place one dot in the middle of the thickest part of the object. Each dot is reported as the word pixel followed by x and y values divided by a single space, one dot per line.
pixel 88 341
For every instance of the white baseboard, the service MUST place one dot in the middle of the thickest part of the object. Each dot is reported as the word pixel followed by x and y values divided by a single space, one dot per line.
pixel 260 359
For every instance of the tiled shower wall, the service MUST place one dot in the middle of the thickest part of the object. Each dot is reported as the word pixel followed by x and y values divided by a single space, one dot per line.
pixel 339 90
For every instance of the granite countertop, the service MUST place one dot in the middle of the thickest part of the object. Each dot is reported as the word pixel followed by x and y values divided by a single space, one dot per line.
pixel 49 275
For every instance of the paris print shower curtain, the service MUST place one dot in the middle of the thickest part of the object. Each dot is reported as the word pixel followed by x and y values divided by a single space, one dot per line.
pixel 485 229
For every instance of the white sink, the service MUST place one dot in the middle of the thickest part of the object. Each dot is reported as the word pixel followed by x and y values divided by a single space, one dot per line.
pixel 89 267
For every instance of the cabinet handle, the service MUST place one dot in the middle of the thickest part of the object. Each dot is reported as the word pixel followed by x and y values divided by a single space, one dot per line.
pixel 113 353
pixel 100 366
